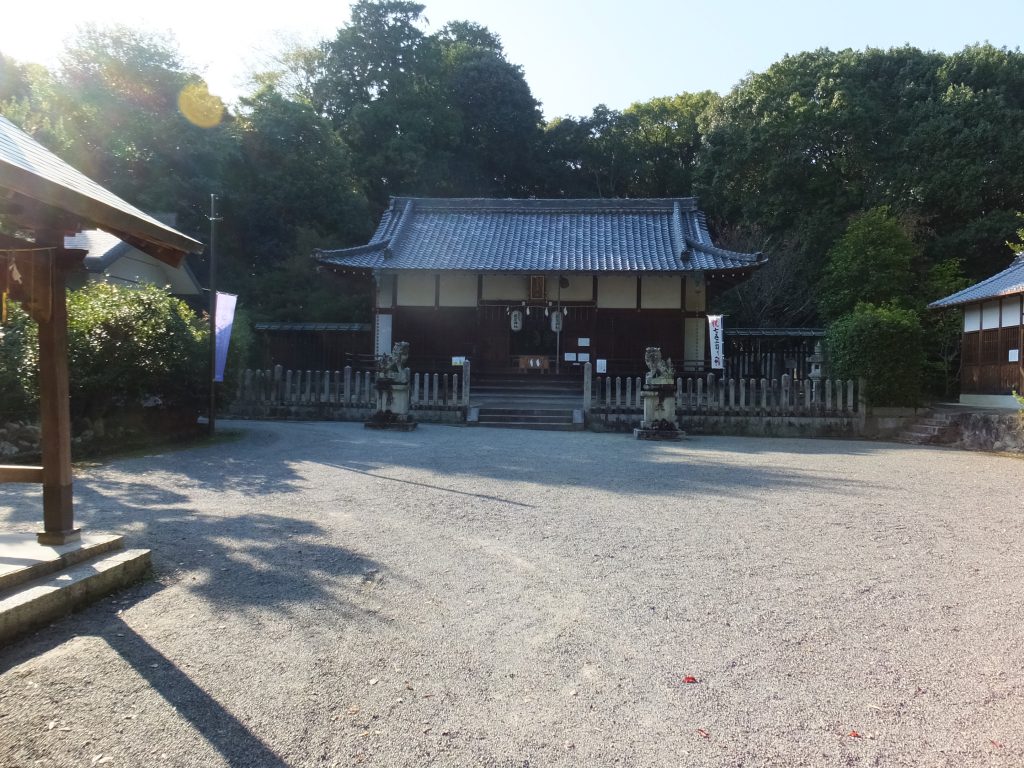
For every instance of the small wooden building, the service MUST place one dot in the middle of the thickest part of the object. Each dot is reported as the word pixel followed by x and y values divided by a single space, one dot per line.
pixel 992 350
pixel 531 286
pixel 110 259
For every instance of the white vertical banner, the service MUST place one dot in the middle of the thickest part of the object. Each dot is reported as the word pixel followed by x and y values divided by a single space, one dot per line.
pixel 222 330
pixel 717 334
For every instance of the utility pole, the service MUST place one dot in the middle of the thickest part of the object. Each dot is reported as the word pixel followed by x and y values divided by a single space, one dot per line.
pixel 213 314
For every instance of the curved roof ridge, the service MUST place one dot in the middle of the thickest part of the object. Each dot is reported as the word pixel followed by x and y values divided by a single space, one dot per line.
pixel 547 203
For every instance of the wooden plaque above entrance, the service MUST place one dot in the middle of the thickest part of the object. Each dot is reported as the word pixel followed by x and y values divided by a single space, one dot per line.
pixel 538 288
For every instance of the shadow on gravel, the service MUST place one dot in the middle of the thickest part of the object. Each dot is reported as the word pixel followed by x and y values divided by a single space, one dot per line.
pixel 238 745
pixel 258 560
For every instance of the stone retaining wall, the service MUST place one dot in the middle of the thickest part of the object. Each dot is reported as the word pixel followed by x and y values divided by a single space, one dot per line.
pixel 980 431
pixel 741 425
pixel 335 412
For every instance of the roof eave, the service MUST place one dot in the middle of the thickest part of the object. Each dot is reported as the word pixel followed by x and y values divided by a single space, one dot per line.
pixel 150 236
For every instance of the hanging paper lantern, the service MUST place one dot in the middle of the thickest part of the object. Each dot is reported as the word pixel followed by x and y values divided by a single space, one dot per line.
pixel 516 319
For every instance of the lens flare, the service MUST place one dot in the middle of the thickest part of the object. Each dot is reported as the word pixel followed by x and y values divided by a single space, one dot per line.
pixel 199 106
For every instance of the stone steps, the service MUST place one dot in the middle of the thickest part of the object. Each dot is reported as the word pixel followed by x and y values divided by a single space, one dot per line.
pixel 40 584
pixel 931 428
pixel 554 419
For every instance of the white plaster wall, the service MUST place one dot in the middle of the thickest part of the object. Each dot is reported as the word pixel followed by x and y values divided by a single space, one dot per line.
pixel 972 318
pixel 616 292
pixel 660 293
pixel 505 287
pixel 143 269
pixel 458 291
pixel 696 296
pixel 415 290
pixel 1011 311
pixel 581 288
pixel 695 335
pixel 385 290
pixel 990 315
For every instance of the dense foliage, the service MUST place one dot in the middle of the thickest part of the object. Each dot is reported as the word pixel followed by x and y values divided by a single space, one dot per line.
pixel 884 346
pixel 874 175
pixel 128 347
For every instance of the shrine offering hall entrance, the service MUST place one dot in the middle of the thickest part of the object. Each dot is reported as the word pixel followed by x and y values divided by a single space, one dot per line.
pixel 535 337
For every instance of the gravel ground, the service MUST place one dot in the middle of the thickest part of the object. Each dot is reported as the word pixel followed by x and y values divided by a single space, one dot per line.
pixel 330 596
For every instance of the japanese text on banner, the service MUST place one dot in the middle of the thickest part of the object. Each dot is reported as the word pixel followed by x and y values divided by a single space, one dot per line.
pixel 717 341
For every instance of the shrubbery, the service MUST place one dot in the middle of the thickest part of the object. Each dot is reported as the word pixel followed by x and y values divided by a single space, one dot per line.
pixel 126 347
pixel 885 346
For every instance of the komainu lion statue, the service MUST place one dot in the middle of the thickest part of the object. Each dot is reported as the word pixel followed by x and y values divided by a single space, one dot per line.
pixel 658 368
pixel 393 366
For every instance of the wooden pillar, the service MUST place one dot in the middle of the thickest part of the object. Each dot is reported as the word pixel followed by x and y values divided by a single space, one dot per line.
pixel 55 417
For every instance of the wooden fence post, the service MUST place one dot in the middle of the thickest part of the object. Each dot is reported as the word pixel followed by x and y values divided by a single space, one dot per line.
pixel 588 384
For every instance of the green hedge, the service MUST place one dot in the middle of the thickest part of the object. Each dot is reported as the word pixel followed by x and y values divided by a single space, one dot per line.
pixel 885 346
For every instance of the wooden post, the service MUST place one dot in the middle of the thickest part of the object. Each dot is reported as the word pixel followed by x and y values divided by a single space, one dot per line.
pixel 466 368
pixel 55 418
pixel 588 384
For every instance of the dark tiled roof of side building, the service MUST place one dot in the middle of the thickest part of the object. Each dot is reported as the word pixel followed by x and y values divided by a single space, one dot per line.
pixel 499 235
pixel 1009 282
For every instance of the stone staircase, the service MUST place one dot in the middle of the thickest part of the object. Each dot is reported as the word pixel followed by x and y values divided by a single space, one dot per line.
pixel 527 401
pixel 40 584
pixel 555 419
pixel 937 427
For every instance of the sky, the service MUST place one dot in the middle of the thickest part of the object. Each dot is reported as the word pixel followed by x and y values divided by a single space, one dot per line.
pixel 576 53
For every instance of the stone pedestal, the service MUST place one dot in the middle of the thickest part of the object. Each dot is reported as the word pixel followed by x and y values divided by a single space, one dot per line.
pixel 392 407
pixel 659 422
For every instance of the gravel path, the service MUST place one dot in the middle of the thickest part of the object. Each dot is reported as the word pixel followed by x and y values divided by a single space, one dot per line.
pixel 331 596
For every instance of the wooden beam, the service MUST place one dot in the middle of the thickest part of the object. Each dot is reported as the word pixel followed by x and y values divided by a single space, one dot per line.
pixel 17 473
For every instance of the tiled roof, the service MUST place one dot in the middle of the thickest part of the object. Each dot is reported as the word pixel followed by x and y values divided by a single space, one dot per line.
pixel 102 249
pixel 29 169
pixel 1006 283
pixel 493 235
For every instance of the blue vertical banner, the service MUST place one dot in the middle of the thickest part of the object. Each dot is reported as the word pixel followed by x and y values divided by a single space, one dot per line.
pixel 222 328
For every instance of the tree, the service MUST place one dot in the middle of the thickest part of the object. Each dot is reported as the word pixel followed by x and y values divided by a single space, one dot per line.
pixel 499 118
pixel 121 92
pixel 872 262
pixel 291 188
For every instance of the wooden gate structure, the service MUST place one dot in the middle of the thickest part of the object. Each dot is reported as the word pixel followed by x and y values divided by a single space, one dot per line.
pixel 42 199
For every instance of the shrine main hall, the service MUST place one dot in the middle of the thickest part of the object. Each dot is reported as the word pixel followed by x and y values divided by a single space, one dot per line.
pixel 525 285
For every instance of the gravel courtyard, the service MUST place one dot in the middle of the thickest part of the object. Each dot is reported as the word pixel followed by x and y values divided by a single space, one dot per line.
pixel 326 595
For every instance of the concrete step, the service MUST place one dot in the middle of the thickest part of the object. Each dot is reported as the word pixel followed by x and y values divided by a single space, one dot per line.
pixel 549 426
pixel 22 559
pixel 526 416
pixel 522 418
pixel 31 604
